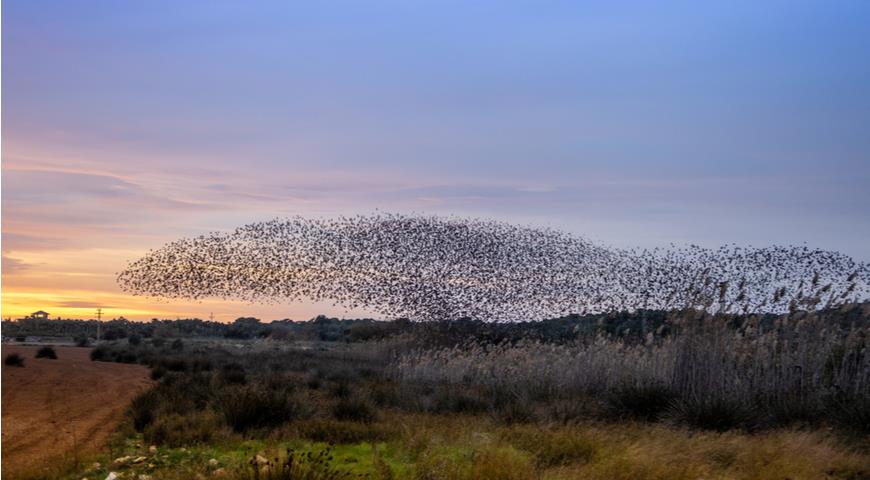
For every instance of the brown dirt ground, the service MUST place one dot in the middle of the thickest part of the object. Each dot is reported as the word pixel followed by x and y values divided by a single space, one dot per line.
pixel 56 410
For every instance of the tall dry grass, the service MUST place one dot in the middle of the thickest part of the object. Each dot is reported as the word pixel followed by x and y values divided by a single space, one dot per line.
pixel 756 372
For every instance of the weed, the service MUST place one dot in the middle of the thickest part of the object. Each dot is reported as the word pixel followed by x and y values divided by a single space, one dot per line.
pixel 305 465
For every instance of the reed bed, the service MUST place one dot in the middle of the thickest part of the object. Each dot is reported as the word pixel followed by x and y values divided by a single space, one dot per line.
pixel 756 370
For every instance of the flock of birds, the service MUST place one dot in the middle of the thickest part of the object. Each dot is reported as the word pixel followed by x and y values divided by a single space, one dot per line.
pixel 430 267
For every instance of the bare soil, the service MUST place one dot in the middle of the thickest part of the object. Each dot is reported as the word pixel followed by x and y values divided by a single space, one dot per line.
pixel 60 410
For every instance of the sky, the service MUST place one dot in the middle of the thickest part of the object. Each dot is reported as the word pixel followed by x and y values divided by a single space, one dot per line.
pixel 126 125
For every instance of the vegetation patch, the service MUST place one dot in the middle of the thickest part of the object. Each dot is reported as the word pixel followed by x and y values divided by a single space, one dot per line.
pixel 13 360
pixel 46 352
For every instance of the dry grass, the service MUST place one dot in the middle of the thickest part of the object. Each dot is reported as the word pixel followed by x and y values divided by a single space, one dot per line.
pixel 798 368
pixel 477 448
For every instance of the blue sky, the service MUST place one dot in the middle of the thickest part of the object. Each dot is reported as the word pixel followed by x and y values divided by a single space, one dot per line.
pixel 633 123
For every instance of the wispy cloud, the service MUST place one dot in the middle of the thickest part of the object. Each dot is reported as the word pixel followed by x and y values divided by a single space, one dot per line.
pixel 13 265
pixel 82 304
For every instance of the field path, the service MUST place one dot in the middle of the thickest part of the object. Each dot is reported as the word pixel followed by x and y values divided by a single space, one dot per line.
pixel 56 410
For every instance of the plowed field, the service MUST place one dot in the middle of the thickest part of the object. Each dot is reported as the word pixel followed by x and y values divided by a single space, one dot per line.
pixel 56 410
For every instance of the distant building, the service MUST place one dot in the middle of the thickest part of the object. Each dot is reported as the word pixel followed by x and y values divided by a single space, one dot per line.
pixel 40 315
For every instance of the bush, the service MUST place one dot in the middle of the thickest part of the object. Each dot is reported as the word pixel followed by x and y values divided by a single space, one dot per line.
pixel 14 360
pixel 201 364
pixel 134 339
pixel 143 409
pixel 125 356
pixel 46 352
pixel 341 389
pixel 174 364
pixel 356 409
pixel 176 430
pixel 82 341
pixel 313 383
pixel 248 407
pixel 101 354
pixel 158 372
pixel 233 373
pixel 177 345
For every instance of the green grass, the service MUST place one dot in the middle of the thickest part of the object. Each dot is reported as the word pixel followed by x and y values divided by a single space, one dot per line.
pixel 454 447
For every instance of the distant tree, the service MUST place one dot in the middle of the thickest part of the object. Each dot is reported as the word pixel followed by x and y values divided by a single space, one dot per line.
pixel 114 334
pixel 280 332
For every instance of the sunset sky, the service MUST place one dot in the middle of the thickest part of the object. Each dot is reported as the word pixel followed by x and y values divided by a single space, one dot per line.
pixel 129 124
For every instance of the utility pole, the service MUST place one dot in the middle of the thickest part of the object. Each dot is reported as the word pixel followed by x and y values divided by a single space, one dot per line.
pixel 99 322
pixel 211 316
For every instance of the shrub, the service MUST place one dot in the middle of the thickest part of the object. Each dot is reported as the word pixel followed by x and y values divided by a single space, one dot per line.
pixel 201 364
pixel 233 373
pixel 254 406
pixel 341 389
pixel 385 394
pixel 177 345
pixel 143 409
pixel 125 356
pixel 356 409
pixel 100 354
pixel 174 364
pixel 313 383
pixel 14 360
pixel 46 352
pixel 82 341
pixel 176 430
pixel 158 372
pixel 134 339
